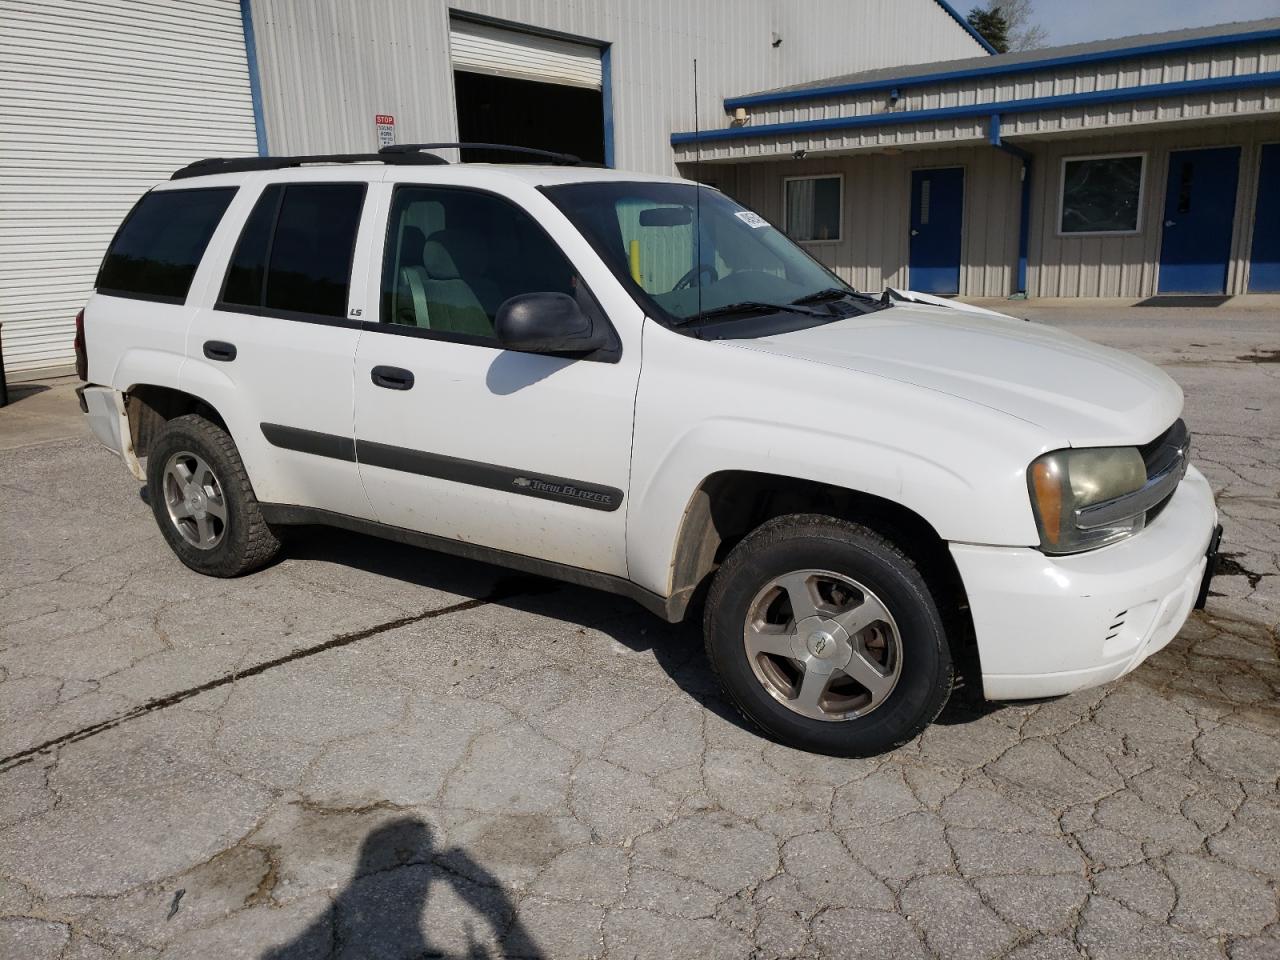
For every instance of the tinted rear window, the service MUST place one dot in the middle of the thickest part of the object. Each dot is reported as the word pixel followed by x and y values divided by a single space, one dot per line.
pixel 294 255
pixel 156 250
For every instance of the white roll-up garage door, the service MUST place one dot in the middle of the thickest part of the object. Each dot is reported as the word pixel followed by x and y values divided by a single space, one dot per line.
pixel 483 48
pixel 98 102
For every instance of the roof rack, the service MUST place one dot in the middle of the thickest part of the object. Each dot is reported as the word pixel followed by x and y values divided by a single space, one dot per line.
pixel 406 154
pixel 410 149
pixel 212 165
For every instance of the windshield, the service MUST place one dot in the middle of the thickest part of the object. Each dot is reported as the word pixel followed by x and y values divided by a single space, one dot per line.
pixel 696 257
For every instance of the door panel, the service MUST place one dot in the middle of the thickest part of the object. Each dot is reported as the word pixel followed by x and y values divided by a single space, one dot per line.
pixel 273 350
pixel 459 438
pixel 1264 267
pixel 518 452
pixel 937 212
pixel 1199 212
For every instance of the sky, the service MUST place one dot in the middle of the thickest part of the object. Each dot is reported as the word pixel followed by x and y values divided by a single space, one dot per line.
pixel 1072 21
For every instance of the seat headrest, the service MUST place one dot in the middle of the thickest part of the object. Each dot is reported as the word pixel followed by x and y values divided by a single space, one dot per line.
pixel 412 240
pixel 437 261
pixel 467 247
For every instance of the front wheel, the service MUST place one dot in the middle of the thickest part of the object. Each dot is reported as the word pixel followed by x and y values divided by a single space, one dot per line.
pixel 203 502
pixel 824 634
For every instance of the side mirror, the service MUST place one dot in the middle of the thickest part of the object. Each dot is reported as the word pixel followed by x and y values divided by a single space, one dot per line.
pixel 546 323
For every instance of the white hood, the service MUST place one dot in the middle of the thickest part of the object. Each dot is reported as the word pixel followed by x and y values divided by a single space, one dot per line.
pixel 1080 393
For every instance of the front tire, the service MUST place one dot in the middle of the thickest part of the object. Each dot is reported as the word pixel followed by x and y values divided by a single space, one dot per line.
pixel 824 634
pixel 203 501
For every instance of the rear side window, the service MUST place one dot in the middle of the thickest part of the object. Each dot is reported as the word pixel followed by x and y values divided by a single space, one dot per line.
pixel 294 255
pixel 156 250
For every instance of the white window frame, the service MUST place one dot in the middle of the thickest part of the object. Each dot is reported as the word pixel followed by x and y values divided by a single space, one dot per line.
pixel 786 227
pixel 1142 193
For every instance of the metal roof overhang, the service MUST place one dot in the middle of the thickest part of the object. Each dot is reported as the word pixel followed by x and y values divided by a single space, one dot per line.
pixel 1155 91
pixel 1001 68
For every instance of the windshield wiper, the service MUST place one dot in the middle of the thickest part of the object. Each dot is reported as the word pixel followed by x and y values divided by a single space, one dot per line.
pixel 751 306
pixel 836 293
pixel 821 296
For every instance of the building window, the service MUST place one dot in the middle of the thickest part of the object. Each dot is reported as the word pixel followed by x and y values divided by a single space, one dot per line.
pixel 1102 194
pixel 812 208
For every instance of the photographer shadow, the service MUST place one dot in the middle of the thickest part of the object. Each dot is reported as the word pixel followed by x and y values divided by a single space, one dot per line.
pixel 383 911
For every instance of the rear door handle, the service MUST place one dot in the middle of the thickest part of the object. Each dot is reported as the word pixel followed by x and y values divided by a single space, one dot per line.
pixel 220 350
pixel 393 378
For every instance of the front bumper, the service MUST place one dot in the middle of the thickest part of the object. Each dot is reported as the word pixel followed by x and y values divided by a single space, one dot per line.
pixel 1052 625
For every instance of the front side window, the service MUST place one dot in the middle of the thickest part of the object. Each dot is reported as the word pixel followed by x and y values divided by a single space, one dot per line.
pixel 156 251
pixel 1101 194
pixel 812 208
pixel 690 252
pixel 294 254
pixel 454 256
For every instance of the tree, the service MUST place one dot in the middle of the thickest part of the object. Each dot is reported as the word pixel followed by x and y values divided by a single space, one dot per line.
pixel 992 26
pixel 1023 34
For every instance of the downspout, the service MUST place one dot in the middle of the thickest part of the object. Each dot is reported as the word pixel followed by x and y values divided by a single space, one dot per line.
pixel 1024 216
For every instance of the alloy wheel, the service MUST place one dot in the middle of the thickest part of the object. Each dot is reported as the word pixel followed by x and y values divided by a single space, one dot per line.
pixel 823 645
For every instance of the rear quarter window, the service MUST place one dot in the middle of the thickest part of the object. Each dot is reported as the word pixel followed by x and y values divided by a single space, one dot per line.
pixel 156 250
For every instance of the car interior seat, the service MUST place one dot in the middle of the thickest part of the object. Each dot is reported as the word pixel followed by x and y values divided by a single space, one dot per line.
pixel 470 252
pixel 451 304
pixel 409 306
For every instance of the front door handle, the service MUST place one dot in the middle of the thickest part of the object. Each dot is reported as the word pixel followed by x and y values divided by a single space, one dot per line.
pixel 220 350
pixel 915 233
pixel 1169 223
pixel 392 378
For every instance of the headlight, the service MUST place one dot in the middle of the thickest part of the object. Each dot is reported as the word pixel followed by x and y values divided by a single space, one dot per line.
pixel 1065 482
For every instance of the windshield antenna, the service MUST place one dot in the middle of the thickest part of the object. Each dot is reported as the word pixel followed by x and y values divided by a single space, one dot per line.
pixel 697 192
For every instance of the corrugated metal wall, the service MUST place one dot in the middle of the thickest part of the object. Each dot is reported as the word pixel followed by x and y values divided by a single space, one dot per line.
pixel 98 102
pixel 328 66
pixel 872 254
pixel 1066 266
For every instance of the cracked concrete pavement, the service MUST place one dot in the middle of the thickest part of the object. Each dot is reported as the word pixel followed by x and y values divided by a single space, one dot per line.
pixel 372 751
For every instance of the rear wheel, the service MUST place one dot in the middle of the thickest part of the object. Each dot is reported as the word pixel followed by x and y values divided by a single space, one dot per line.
pixel 825 635
pixel 203 502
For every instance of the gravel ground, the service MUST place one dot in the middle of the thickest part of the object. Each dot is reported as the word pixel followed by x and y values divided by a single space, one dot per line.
pixel 372 751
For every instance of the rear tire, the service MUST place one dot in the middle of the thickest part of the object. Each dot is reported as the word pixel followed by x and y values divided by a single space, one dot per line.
pixel 824 634
pixel 203 502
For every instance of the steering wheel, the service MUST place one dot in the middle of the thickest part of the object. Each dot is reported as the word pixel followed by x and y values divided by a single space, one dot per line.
pixel 687 280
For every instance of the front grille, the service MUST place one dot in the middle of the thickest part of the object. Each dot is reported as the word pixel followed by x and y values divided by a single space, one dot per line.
pixel 1172 449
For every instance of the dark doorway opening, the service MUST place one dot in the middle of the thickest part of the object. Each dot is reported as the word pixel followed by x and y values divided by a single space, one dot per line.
pixel 526 113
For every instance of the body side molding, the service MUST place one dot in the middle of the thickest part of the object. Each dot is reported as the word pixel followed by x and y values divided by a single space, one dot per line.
pixel 492 476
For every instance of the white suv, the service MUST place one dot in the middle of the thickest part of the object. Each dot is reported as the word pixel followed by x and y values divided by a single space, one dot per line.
pixel 636 384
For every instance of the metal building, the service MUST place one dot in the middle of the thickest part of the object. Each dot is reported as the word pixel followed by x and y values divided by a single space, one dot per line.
pixel 100 100
pixel 1124 168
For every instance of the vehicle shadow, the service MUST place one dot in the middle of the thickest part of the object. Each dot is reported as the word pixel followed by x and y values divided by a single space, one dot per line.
pixel 383 911
pixel 676 648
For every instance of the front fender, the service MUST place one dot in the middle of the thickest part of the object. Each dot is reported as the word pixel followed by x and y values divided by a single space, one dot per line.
pixel 952 503
pixel 708 408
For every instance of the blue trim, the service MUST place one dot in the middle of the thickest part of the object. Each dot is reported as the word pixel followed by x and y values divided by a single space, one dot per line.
pixel 1024 211
pixel 1001 69
pixel 255 85
pixel 1149 92
pixel 968 27
pixel 606 94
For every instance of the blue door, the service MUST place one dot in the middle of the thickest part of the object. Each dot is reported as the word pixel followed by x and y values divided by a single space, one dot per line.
pixel 1199 211
pixel 1264 264
pixel 937 212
